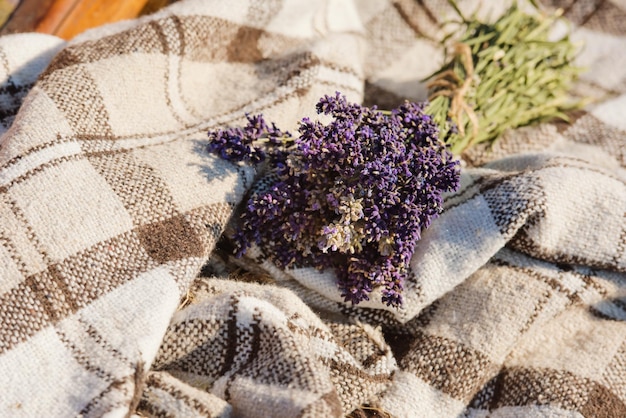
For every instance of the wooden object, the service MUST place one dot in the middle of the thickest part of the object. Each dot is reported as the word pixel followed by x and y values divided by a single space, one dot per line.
pixel 68 18
pixel 26 16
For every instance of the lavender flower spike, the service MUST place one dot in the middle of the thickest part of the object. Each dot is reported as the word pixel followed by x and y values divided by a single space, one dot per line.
pixel 352 195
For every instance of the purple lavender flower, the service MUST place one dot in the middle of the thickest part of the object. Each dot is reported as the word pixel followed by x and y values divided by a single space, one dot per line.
pixel 245 144
pixel 352 195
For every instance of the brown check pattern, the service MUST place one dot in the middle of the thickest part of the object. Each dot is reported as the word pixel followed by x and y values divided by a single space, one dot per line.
pixel 110 207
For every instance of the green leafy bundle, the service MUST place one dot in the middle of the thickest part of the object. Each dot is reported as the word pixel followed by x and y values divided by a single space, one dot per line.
pixel 502 75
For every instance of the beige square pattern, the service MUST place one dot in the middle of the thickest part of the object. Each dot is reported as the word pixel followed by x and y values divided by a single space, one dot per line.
pixel 54 208
pixel 118 296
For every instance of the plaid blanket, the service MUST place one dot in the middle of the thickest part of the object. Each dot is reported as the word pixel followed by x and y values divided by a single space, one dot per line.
pixel 110 207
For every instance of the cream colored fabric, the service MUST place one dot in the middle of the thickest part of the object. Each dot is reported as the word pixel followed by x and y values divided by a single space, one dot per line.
pixel 110 207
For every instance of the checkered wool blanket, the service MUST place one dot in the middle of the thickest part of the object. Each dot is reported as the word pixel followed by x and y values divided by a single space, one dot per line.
pixel 110 207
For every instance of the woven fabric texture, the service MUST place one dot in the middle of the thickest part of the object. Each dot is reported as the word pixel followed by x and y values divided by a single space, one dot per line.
pixel 110 207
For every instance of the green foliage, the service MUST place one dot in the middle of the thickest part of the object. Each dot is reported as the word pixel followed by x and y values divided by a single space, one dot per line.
pixel 502 75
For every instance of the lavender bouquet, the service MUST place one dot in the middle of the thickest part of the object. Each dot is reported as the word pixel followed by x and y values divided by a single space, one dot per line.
pixel 355 194
pixel 352 195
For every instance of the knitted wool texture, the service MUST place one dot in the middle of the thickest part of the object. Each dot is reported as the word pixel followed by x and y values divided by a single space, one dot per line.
pixel 110 206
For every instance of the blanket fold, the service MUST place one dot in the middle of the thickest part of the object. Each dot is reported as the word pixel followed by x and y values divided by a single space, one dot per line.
pixel 116 298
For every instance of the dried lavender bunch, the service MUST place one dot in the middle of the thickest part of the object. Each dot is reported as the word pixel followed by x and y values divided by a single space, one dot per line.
pixel 352 195
pixel 242 144
pixel 502 75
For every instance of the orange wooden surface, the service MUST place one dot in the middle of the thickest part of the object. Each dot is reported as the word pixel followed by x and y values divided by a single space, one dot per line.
pixel 67 18
pixel 26 16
